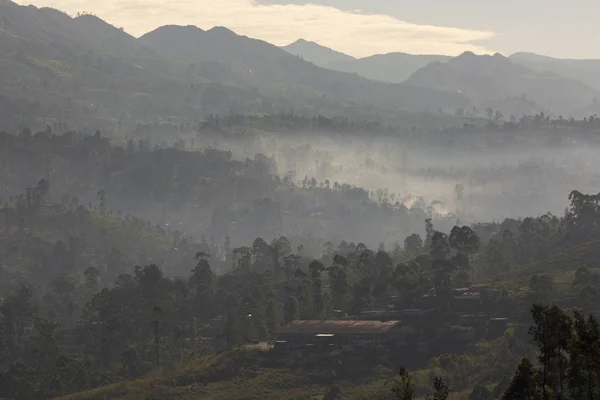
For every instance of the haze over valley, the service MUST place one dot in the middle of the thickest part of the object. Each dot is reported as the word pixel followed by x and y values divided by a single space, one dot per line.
pixel 281 199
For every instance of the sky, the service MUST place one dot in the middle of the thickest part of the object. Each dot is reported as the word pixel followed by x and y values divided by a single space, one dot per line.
pixel 366 27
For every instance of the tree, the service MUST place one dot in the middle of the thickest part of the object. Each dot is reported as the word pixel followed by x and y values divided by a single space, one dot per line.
pixel 18 311
pixel 242 259
pixel 464 240
pixel 91 279
pixel 361 296
pixel 480 393
pixel 316 269
pixel 157 312
pixel 413 244
pixel 429 231
pixel 584 357
pixel 551 333
pixel 102 198
pixel 541 287
pixel 440 247
pixel 202 275
pixel 130 363
pixel 383 273
pixel 150 277
pixel 334 393
pixel 233 330
pixel 272 312
pixel 404 388
pixel 339 285
pixel 290 310
pixel 280 248
pixel 201 283
pixel 440 390
pixel 524 385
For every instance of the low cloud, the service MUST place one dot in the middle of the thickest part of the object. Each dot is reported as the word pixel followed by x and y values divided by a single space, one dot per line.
pixel 353 33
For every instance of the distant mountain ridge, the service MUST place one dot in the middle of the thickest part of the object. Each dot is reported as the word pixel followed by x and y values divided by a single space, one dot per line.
pixel 490 79
pixel 391 67
pixel 511 89
pixel 316 54
pixel 260 64
pixel 88 68
pixel 586 71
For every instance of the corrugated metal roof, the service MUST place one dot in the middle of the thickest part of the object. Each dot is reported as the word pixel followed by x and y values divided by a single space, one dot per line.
pixel 337 327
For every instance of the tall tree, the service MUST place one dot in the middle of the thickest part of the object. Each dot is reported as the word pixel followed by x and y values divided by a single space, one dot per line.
pixel 290 310
pixel 413 244
pixel 272 312
pixel 339 285
pixel 440 390
pixel 316 268
pixel 524 385
pixel 280 248
pixel 584 357
pixel 440 247
pixel 404 388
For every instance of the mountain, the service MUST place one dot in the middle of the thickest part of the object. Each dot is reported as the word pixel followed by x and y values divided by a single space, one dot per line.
pixel 392 67
pixel 254 63
pixel 586 71
pixel 86 71
pixel 316 54
pixel 51 70
pixel 494 79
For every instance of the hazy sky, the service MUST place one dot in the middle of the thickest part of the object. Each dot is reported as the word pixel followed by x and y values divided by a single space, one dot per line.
pixel 364 27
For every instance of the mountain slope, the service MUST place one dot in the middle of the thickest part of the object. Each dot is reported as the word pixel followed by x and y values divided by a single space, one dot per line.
pixel 488 79
pixel 316 54
pixel 561 267
pixel 392 67
pixel 90 73
pixel 255 63
pixel 47 58
pixel 586 71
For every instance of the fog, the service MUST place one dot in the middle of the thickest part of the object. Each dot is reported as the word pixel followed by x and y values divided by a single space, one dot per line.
pixel 311 187
pixel 510 182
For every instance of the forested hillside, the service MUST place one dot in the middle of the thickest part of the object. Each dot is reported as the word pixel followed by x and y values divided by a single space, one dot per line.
pixel 85 71
pixel 198 214
pixel 90 331
pixel 206 192
pixel 496 79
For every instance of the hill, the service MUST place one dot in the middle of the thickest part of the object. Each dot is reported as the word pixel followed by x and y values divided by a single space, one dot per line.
pixel 392 67
pixel 586 71
pixel 487 79
pixel 236 374
pixel 86 71
pixel 69 68
pixel 245 374
pixel 560 267
pixel 315 53
pixel 254 63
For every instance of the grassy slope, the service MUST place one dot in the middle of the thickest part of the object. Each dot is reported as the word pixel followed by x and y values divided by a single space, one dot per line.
pixel 205 379
pixel 245 374
pixel 561 267
pixel 102 232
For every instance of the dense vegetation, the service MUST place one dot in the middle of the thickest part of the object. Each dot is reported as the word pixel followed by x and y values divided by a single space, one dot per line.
pixel 77 313
pixel 169 202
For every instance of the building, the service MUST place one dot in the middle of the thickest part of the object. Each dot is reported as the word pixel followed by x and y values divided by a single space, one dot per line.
pixel 469 302
pixel 335 333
